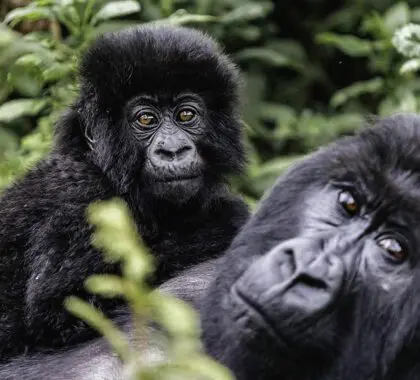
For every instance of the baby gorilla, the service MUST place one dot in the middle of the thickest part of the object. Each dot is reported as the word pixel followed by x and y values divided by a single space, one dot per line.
pixel 157 124
pixel 324 281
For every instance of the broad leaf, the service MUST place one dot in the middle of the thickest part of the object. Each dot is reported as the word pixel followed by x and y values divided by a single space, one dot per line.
pixel 116 9
pixel 410 66
pixel 28 13
pixel 183 18
pixel 397 16
pixel 267 56
pixel 350 45
pixel 247 12
pixel 15 109
pixel 356 89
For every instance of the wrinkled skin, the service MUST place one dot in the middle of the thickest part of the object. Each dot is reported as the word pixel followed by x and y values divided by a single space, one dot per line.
pixel 327 285
pixel 156 124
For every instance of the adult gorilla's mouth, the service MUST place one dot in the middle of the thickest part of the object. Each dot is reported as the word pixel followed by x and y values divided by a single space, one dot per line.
pixel 255 313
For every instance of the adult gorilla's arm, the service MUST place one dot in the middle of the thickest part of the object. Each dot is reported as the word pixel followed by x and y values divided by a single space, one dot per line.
pixel 94 360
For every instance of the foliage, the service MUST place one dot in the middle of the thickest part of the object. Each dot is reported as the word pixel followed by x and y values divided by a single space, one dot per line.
pixel 293 100
pixel 116 235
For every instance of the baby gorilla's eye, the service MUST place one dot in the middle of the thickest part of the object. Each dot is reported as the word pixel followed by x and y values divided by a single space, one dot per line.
pixel 146 119
pixel 186 115
pixel 393 248
pixel 348 202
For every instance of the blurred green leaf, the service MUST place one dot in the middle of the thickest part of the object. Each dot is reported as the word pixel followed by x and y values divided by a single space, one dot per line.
pixel 106 285
pixel 350 45
pixel 97 319
pixel 266 56
pixel 182 17
pixel 15 109
pixel 247 12
pixel 8 142
pixel 356 89
pixel 410 66
pixel 116 9
pixel 397 16
pixel 30 12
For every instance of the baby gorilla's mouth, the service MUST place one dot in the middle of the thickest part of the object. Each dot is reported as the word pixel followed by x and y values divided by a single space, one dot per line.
pixel 181 178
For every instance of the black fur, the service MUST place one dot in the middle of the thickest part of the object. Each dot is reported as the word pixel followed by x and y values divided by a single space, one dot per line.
pixel 45 251
pixel 307 290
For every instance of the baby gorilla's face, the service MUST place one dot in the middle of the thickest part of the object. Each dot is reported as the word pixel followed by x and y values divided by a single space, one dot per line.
pixel 167 130
pixel 325 283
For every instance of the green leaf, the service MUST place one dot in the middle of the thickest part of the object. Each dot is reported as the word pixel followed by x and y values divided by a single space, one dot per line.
pixel 410 66
pixel 8 141
pixel 350 45
pixel 356 89
pixel 106 27
pixel 57 71
pixel 263 177
pixel 116 9
pixel 5 88
pixel 97 320
pixel 106 285
pixel 247 12
pixel 30 13
pixel 397 16
pixel 15 109
pixel 26 75
pixel 182 17
pixel 177 317
pixel 267 56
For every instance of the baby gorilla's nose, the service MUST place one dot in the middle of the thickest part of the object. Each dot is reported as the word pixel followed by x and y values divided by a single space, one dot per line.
pixel 173 153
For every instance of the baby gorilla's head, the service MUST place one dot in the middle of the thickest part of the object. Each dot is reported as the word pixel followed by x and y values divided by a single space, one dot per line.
pixel 160 110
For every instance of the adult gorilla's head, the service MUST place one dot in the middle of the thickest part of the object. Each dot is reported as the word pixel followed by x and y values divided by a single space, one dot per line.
pixel 324 281
pixel 158 110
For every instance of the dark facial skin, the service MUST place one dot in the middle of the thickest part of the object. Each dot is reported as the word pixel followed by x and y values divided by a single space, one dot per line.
pixel 168 130
pixel 327 285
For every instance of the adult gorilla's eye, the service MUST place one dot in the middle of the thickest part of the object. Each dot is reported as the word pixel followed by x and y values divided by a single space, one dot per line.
pixel 186 115
pixel 393 248
pixel 146 119
pixel 348 202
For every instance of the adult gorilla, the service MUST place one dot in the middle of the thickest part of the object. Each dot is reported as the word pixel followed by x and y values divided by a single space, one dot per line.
pixel 323 283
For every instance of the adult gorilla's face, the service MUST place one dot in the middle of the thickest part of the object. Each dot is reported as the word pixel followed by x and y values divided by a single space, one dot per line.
pixel 323 282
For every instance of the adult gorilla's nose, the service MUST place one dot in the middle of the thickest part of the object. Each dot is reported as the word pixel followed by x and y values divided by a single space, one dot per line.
pixel 296 279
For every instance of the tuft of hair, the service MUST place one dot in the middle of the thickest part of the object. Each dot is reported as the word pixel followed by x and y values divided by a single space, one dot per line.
pixel 157 60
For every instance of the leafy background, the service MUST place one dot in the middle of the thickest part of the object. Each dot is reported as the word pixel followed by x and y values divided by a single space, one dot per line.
pixel 314 69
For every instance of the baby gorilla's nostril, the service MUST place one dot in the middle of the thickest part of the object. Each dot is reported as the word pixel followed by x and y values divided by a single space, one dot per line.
pixel 173 154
